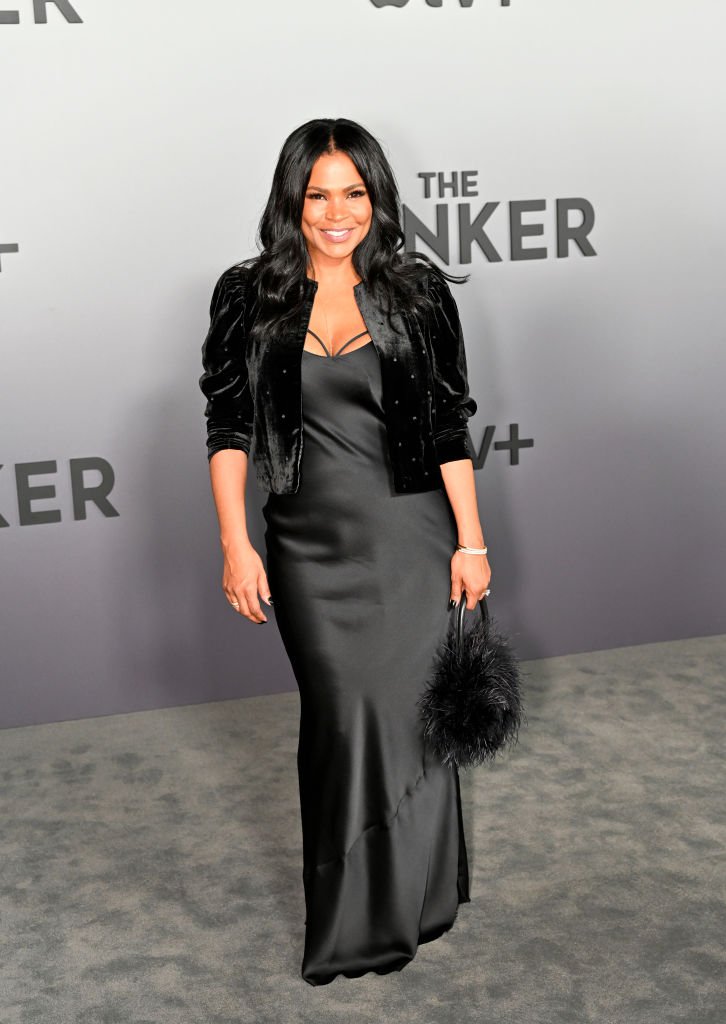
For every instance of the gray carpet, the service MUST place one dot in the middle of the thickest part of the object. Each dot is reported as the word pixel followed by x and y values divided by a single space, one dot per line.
pixel 151 863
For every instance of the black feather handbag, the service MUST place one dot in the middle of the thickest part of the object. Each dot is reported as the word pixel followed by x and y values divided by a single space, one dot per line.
pixel 472 704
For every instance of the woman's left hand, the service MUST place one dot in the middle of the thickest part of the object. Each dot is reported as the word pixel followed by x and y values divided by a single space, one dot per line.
pixel 470 573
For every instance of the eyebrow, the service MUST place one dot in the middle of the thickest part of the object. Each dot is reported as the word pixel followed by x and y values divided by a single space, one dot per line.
pixel 317 188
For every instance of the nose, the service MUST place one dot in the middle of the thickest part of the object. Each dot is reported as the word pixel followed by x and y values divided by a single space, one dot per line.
pixel 336 209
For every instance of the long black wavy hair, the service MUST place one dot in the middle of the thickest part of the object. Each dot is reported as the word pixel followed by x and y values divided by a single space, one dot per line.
pixel 281 267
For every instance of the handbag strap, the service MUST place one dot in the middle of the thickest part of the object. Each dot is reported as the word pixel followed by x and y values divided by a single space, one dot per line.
pixel 460 609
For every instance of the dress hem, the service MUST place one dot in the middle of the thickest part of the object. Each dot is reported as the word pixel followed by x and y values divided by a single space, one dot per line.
pixel 397 965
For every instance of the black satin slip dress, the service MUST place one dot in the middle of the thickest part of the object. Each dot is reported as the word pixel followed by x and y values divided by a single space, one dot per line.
pixel 360 577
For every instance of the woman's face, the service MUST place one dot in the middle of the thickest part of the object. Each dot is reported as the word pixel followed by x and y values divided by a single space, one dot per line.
pixel 337 211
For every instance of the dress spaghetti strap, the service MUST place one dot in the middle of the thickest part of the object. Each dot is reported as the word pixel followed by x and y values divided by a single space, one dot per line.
pixel 349 341
pixel 321 342
pixel 354 338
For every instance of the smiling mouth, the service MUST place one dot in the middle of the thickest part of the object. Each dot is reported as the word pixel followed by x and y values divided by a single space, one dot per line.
pixel 336 232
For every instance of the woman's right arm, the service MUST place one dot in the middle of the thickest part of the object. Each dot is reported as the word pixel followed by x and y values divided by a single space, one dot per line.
pixel 243 575
pixel 230 419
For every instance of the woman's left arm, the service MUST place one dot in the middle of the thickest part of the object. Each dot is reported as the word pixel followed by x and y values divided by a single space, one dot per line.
pixel 468 572
pixel 453 405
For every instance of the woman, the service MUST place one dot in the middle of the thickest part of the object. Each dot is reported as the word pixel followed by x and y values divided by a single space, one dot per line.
pixel 340 363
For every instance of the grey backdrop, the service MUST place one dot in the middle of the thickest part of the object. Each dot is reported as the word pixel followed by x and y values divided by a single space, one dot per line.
pixel 138 146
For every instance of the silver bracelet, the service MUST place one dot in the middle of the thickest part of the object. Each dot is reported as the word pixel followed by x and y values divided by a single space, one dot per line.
pixel 471 551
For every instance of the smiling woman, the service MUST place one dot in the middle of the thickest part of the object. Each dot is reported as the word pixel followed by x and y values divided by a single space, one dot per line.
pixel 361 556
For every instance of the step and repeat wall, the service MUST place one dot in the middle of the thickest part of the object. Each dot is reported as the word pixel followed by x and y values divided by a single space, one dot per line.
pixel 567 154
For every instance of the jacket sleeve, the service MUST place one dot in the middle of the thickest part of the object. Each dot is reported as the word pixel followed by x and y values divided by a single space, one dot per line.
pixel 453 404
pixel 225 381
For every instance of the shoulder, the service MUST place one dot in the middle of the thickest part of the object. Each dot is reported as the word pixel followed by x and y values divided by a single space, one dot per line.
pixel 439 298
pixel 232 285
pixel 239 274
pixel 437 285
pixel 429 279
pixel 425 284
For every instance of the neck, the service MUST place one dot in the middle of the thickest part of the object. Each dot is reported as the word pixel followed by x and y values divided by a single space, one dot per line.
pixel 334 275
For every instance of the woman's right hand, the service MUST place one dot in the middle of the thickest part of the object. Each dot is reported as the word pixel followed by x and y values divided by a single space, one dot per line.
pixel 244 577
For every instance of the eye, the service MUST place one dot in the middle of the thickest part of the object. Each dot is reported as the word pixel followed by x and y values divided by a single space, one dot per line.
pixel 318 195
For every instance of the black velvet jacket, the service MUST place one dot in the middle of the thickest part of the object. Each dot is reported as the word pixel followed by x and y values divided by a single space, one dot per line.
pixel 254 391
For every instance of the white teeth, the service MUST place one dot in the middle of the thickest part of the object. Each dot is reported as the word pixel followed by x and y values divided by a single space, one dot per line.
pixel 343 232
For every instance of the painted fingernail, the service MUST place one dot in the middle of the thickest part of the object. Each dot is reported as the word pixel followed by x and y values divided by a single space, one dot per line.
pixel 452 603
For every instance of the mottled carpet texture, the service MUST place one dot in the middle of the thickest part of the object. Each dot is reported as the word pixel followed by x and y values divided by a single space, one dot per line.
pixel 150 864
